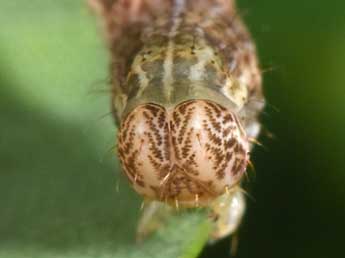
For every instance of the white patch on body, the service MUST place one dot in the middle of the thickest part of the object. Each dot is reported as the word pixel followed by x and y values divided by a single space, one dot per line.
pixel 237 92
pixel 197 72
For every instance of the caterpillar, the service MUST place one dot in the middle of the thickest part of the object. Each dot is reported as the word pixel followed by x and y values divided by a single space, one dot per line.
pixel 186 97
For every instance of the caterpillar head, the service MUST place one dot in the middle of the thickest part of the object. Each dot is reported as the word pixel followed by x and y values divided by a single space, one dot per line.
pixel 190 153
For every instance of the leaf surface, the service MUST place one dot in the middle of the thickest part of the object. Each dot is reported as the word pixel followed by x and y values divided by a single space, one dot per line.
pixel 61 190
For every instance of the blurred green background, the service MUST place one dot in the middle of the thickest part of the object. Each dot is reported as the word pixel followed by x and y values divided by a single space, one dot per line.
pixel 61 190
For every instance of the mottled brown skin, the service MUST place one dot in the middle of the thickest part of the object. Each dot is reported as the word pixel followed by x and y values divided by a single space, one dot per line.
pixel 132 26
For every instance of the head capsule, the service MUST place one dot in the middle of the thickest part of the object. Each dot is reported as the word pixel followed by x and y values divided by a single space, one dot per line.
pixel 189 153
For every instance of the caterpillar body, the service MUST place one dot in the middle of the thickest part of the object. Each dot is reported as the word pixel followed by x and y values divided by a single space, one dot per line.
pixel 186 96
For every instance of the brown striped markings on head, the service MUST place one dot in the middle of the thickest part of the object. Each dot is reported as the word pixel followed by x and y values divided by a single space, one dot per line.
pixel 198 148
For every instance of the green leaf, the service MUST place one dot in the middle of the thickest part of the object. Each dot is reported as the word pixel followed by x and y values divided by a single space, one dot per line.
pixel 61 190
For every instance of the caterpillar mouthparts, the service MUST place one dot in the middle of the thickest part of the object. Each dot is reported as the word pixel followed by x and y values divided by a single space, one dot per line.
pixel 192 152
